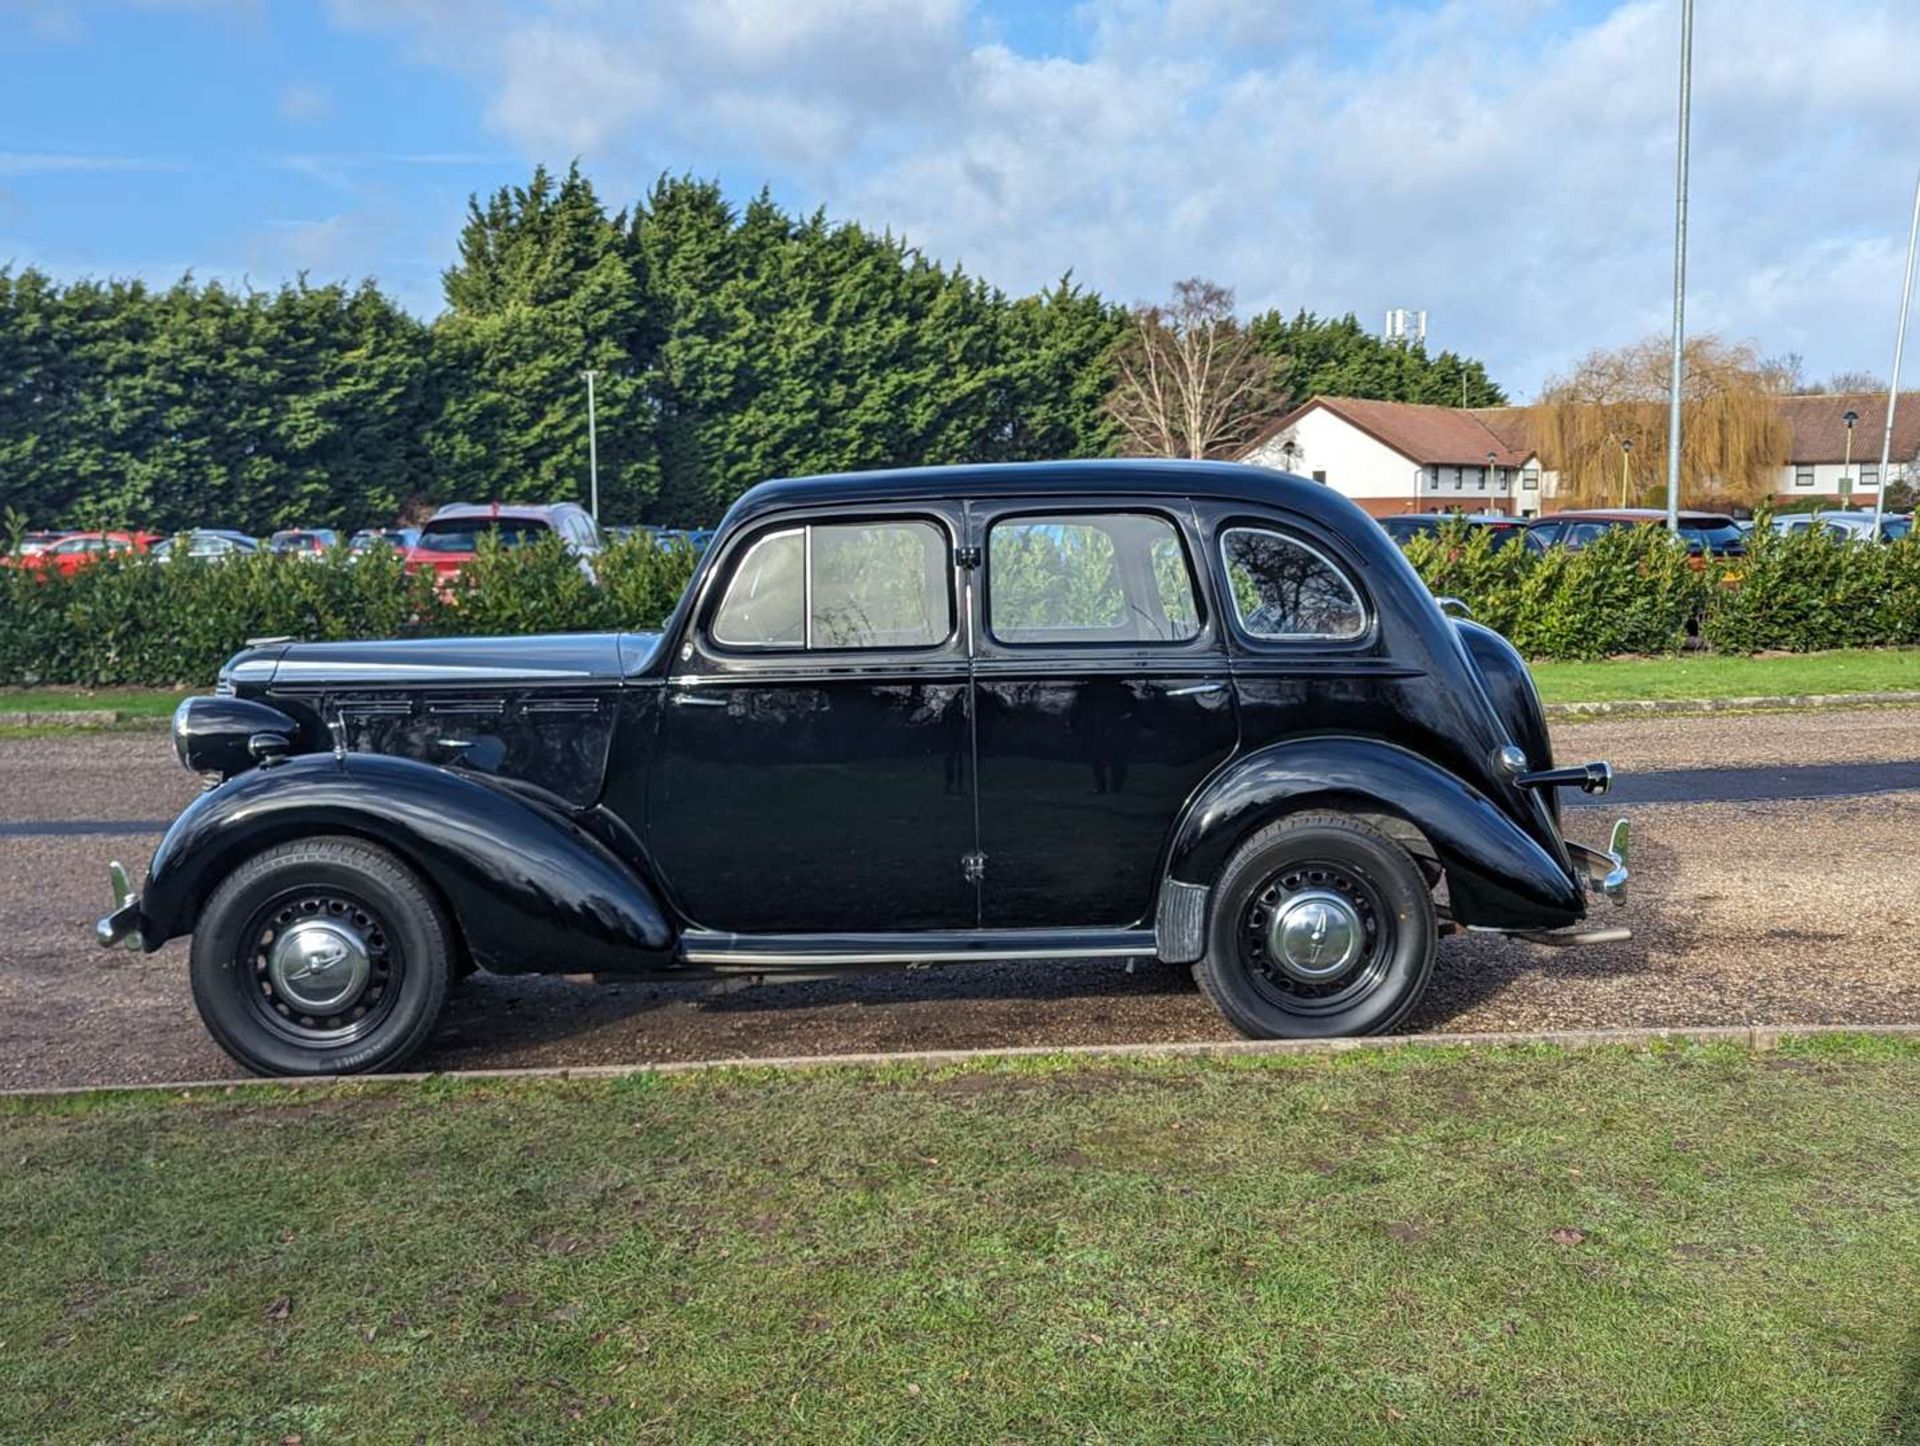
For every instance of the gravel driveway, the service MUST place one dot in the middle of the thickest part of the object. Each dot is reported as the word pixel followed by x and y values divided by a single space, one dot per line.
pixel 1801 912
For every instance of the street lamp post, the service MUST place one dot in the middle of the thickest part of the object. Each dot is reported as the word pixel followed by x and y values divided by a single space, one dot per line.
pixel 1846 467
pixel 1626 458
pixel 1492 457
pixel 593 447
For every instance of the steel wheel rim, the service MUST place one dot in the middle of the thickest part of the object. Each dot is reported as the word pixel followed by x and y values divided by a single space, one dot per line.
pixel 295 986
pixel 1296 989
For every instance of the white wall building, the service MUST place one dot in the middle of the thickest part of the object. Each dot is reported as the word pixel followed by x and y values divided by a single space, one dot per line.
pixel 1393 457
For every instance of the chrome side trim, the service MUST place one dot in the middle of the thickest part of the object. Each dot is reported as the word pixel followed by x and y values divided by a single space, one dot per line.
pixel 756 957
pixel 795 951
pixel 1180 922
pixel 320 670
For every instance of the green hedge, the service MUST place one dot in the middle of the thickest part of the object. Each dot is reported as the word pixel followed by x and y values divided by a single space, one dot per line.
pixel 1635 591
pixel 130 621
pixel 134 621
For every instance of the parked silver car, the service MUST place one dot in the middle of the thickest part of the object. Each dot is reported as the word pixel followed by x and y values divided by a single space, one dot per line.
pixel 1847 526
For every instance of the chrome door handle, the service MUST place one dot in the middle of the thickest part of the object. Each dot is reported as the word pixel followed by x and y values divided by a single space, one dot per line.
pixel 697 700
pixel 1195 690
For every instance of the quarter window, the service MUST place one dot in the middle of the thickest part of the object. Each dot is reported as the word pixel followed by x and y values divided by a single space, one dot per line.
pixel 840 585
pixel 1282 588
pixel 1111 578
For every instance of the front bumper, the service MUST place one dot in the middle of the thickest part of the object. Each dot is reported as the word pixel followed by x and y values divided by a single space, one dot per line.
pixel 123 925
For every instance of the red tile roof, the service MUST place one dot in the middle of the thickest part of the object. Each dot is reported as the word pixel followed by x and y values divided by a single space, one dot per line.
pixel 1424 434
pixel 1449 436
pixel 1820 429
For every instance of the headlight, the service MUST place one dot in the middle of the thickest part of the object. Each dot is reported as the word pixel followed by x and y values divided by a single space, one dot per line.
pixel 225 736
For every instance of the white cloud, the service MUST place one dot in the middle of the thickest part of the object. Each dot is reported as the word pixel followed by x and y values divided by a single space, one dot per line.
pixel 303 102
pixel 1504 163
pixel 47 163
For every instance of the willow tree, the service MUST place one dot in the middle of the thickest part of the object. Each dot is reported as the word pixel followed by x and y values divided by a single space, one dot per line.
pixel 1603 428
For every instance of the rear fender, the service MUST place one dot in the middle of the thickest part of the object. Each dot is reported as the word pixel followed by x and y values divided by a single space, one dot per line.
pixel 1497 875
pixel 529 889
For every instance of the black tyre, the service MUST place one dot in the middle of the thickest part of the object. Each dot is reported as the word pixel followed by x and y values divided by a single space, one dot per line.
pixel 325 956
pixel 1320 927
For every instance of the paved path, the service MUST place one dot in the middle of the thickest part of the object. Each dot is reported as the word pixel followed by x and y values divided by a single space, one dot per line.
pixel 1802 906
pixel 1667 786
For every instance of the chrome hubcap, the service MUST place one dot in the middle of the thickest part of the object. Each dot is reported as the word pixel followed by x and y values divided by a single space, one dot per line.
pixel 319 966
pixel 1315 935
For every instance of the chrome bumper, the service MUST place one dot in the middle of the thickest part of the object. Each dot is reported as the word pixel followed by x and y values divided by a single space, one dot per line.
pixel 122 926
pixel 1605 869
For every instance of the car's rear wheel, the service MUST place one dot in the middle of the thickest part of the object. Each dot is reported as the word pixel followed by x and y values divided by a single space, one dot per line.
pixel 1320 926
pixel 324 956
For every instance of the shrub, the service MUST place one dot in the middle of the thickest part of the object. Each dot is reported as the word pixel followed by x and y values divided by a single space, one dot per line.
pixel 1631 591
pixel 1810 590
pixel 131 620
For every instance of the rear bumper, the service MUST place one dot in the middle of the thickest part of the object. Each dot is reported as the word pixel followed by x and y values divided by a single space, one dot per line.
pixel 1605 870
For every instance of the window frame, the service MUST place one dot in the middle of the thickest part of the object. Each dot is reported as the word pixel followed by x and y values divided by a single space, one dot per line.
pixel 1803 474
pixel 1230 606
pixel 728 571
pixel 1026 511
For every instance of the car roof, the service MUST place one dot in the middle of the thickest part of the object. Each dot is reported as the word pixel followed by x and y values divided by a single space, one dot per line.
pixel 1484 519
pixel 1115 477
pixel 1629 514
pixel 542 511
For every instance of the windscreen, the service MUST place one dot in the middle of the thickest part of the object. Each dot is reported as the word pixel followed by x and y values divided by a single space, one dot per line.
pixel 463 534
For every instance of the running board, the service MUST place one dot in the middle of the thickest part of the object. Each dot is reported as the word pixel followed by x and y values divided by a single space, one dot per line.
pixel 783 953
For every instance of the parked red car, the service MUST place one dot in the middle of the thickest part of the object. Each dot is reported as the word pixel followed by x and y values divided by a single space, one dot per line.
pixel 76 550
pixel 452 536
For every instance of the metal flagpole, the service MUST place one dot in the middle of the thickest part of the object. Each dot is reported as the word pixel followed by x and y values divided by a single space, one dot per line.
pixel 1679 271
pixel 1893 382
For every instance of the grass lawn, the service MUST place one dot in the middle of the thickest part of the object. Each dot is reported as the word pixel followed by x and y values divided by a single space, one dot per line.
pixel 1858 670
pixel 1522 1244
pixel 128 703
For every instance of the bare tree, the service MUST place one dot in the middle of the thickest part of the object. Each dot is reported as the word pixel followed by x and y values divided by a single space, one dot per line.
pixel 1191 381
pixel 1844 383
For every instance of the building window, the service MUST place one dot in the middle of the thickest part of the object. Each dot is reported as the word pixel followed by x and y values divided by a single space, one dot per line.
pixel 1870 476
pixel 1803 476
pixel 1459 479
pixel 1530 480
pixel 1321 478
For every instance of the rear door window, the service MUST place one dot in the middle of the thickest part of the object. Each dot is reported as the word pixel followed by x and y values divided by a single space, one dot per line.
pixel 1089 578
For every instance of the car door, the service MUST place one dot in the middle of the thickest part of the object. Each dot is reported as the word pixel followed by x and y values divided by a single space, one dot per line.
pixel 815 768
pixel 1102 699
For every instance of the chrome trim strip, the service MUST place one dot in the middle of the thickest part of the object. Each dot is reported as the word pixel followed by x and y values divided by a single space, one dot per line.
pixel 949 956
pixel 295 670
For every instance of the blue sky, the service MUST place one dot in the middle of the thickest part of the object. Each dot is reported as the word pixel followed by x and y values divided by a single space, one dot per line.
pixel 1504 163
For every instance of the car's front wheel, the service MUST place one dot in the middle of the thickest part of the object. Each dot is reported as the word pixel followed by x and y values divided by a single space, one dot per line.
pixel 1321 926
pixel 323 956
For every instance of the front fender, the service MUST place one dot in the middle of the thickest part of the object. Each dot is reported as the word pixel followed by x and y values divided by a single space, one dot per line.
pixel 1497 875
pixel 529 889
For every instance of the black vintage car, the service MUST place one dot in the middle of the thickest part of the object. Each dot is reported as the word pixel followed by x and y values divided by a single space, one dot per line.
pixel 1085 710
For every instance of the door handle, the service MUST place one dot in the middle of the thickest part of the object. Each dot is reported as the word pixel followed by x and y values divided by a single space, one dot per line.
pixel 697 700
pixel 1195 690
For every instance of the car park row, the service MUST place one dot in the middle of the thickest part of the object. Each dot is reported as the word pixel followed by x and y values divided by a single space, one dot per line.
pixel 442 547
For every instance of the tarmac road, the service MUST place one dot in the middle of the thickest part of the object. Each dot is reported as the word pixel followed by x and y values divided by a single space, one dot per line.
pixel 1789 897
